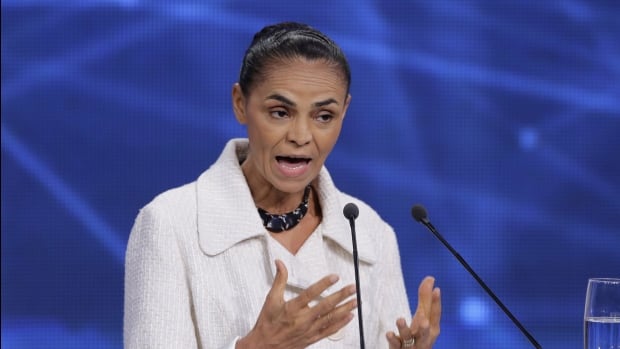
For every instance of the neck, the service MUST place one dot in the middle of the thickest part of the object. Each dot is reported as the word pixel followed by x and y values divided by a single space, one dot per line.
pixel 277 202
pixel 268 197
pixel 286 204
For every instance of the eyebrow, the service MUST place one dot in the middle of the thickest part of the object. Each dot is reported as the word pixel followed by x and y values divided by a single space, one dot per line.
pixel 287 101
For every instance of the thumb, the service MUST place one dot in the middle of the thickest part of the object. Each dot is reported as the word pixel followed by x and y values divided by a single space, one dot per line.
pixel 279 282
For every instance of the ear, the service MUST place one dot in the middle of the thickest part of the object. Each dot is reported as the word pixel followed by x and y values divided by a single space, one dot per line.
pixel 238 103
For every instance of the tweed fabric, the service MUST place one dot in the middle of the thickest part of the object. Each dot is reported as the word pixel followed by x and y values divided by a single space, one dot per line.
pixel 199 264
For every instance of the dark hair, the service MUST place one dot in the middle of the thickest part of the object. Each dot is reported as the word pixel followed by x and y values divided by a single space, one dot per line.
pixel 289 40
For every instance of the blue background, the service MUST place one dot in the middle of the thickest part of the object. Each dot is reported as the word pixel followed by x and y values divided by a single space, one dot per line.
pixel 502 117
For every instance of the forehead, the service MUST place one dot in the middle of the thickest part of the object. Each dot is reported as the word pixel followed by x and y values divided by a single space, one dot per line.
pixel 302 74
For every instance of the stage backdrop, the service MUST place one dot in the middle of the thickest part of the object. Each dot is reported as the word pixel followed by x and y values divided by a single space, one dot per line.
pixel 502 117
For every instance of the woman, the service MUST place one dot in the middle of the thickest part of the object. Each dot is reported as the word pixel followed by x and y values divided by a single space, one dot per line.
pixel 256 252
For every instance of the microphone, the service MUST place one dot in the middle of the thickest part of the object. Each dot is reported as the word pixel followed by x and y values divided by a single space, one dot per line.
pixel 351 212
pixel 419 214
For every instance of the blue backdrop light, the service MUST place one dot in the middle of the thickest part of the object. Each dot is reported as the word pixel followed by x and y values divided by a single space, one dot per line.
pixel 501 117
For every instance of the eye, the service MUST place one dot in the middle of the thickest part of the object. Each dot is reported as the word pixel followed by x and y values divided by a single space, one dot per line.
pixel 324 118
pixel 278 113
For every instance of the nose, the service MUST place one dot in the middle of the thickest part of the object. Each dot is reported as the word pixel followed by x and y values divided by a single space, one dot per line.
pixel 299 131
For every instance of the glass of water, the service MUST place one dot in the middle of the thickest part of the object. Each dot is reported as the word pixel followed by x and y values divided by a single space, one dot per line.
pixel 602 314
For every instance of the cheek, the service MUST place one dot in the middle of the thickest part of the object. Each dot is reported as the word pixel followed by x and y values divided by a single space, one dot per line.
pixel 262 141
pixel 257 133
pixel 327 140
pixel 257 123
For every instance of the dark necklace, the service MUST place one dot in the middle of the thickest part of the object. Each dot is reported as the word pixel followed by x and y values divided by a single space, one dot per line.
pixel 278 223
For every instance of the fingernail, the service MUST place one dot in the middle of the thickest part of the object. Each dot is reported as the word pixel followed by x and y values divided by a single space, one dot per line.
pixel 351 289
pixel 333 278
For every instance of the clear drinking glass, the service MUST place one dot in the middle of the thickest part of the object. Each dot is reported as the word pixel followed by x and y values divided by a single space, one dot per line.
pixel 602 314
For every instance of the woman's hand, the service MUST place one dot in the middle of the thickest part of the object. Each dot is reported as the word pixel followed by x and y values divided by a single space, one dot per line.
pixel 424 328
pixel 294 324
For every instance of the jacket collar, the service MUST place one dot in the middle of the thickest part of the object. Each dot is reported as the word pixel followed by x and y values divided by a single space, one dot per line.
pixel 227 214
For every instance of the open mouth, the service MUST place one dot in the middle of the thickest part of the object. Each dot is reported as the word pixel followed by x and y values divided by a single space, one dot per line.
pixel 293 166
pixel 292 160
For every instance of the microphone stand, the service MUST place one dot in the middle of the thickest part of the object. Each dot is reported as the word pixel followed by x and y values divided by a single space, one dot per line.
pixel 351 215
pixel 419 213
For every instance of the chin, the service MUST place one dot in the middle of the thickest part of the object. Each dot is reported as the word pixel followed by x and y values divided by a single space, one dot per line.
pixel 293 186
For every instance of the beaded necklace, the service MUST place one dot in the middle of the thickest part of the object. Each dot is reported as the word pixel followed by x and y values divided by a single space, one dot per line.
pixel 278 223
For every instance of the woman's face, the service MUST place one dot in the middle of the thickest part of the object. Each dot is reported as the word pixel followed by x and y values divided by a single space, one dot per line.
pixel 293 115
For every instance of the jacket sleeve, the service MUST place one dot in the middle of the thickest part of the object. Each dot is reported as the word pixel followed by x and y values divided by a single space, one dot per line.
pixel 158 311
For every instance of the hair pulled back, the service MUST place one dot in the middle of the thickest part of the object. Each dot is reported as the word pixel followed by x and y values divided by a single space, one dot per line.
pixel 286 41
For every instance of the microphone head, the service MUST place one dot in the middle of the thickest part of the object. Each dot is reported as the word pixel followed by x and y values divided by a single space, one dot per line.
pixel 419 213
pixel 351 211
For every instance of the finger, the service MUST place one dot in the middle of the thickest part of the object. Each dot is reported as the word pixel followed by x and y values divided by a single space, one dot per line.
pixel 336 315
pixel 404 331
pixel 420 326
pixel 420 329
pixel 336 323
pixel 332 322
pixel 436 311
pixel 415 323
pixel 393 340
pixel 330 302
pixel 276 293
pixel 312 292
pixel 425 295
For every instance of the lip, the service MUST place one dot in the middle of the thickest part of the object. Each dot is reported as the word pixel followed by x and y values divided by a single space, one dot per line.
pixel 299 165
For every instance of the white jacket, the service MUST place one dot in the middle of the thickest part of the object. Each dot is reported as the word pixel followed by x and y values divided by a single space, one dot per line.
pixel 199 264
